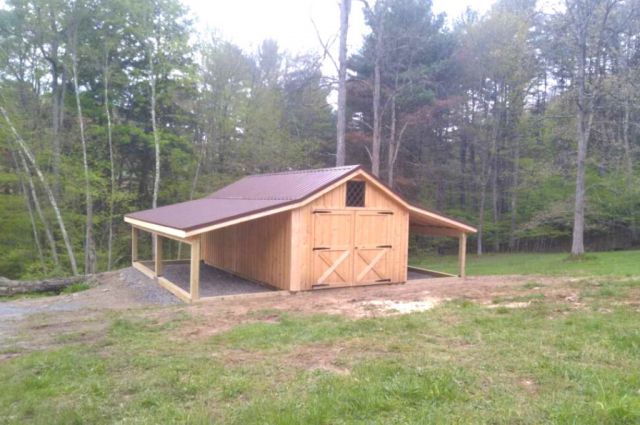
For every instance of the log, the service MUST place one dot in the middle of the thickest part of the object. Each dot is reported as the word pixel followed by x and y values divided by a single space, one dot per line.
pixel 13 287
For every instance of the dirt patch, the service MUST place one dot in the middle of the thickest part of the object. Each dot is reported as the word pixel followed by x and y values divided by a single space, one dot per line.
pixel 516 304
pixel 312 357
pixel 318 357
pixel 217 316
pixel 387 307
pixel 36 323
pixel 529 385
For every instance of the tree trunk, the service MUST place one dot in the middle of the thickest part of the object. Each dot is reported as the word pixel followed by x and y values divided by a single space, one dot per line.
pixel 494 200
pixel 582 133
pixel 587 76
pixel 156 143
pixel 514 196
pixel 36 203
pixel 627 146
pixel 392 143
pixel 483 197
pixel 377 112
pixel 56 114
pixel 628 163
pixel 111 161
pixel 463 171
pixel 52 200
pixel 34 228
pixel 13 287
pixel 395 141
pixel 89 248
pixel 341 126
pixel 156 139
pixel 577 244
pixel 498 115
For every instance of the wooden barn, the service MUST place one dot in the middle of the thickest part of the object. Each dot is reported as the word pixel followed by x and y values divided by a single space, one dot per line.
pixel 295 230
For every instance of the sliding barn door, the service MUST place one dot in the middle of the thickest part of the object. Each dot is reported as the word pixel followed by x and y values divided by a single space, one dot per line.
pixel 372 246
pixel 332 247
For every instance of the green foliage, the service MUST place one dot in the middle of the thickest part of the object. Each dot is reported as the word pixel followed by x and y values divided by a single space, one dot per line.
pixel 221 113
pixel 483 112
pixel 76 287
pixel 16 237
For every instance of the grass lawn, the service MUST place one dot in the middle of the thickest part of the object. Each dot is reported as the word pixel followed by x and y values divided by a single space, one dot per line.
pixel 618 263
pixel 552 361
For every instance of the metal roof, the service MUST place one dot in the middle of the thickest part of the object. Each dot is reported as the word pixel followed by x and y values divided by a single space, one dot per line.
pixel 191 215
pixel 286 186
pixel 249 195
pixel 264 192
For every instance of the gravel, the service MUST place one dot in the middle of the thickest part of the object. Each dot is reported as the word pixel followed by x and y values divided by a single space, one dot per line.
pixel 213 281
pixel 144 290
pixel 414 275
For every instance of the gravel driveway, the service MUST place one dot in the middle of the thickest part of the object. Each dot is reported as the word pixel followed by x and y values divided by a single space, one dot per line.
pixel 122 289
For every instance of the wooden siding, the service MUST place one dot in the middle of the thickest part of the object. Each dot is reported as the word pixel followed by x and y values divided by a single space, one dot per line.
pixel 258 250
pixel 261 249
pixel 394 261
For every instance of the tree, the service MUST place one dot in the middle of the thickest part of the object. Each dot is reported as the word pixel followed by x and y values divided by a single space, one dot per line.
pixel 477 120
pixel 46 25
pixel 588 33
pixel 89 248
pixel 501 68
pixel 341 126
pixel 393 87
pixel 54 204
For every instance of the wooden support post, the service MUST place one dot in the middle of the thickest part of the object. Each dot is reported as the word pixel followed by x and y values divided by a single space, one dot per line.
pixel 462 254
pixel 295 267
pixel 194 280
pixel 134 244
pixel 157 244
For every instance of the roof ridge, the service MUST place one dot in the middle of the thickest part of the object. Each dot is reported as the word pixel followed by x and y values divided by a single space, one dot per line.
pixel 308 171
pixel 244 198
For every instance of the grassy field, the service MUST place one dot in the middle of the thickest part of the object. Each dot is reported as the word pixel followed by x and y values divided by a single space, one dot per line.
pixel 459 363
pixel 618 263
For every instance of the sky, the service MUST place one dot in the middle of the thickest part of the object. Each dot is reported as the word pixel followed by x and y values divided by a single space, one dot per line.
pixel 291 22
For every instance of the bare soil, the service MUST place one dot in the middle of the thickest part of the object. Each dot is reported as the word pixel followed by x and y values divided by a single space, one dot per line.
pixel 34 323
pixel 29 324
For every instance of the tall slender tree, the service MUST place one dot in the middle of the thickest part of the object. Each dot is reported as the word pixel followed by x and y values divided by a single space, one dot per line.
pixel 587 22
pixel 47 188
pixel 341 126
pixel 89 248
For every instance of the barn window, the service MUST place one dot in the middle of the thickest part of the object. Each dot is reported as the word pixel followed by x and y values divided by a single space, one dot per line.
pixel 355 194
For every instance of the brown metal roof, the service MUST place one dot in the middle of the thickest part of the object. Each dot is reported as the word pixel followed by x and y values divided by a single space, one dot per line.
pixel 191 215
pixel 264 192
pixel 249 195
pixel 287 186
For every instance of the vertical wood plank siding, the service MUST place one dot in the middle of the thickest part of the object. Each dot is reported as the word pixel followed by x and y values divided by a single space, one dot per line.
pixel 375 199
pixel 258 250
pixel 278 250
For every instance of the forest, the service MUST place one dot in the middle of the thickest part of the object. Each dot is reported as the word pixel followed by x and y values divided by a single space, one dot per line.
pixel 523 121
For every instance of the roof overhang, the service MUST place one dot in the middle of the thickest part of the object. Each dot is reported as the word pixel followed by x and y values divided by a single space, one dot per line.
pixel 156 228
pixel 421 221
pixel 188 233
pixel 429 223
